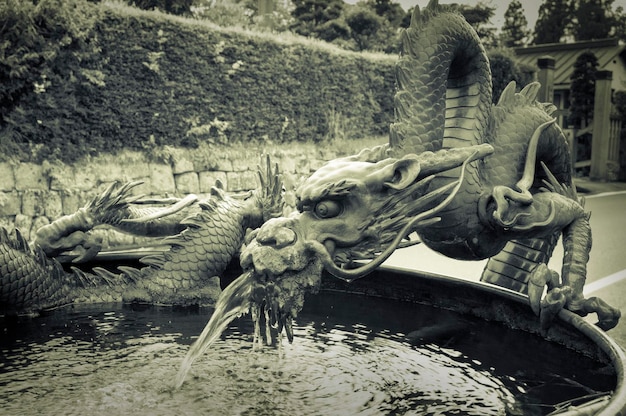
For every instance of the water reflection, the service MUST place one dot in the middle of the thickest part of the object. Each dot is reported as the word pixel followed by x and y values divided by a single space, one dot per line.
pixel 349 356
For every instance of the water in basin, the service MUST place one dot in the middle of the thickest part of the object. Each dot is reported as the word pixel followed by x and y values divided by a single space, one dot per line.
pixel 351 355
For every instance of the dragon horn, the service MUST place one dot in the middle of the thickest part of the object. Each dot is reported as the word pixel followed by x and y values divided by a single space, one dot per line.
pixel 442 160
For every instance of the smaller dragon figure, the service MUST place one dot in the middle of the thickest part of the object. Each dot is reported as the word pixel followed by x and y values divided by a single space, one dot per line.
pixel 201 237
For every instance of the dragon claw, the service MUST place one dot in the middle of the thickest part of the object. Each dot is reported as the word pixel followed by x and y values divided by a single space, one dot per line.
pixel 608 316
pixel 541 277
pixel 558 297
pixel 535 293
pixel 86 253
pixel 554 301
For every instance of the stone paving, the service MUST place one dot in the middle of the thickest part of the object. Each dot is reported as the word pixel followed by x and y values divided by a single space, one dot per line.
pixel 585 186
pixel 614 293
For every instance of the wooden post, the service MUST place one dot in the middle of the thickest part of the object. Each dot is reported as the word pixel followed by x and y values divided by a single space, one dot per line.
pixel 546 79
pixel 613 163
pixel 600 141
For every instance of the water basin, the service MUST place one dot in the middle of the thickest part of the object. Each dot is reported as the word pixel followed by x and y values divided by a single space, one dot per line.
pixel 353 353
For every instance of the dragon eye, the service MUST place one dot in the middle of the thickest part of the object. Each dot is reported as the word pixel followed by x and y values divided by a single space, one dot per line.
pixel 327 209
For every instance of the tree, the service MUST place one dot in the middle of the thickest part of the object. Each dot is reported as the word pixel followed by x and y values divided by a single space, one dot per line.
pixel 554 18
pixel 224 13
pixel 309 15
pixel 582 89
pixel 619 21
pixel 390 11
pixel 479 18
pixel 514 30
pixel 178 7
pixel 333 29
pixel 393 15
pixel 593 19
pixel 505 68
pixel 364 25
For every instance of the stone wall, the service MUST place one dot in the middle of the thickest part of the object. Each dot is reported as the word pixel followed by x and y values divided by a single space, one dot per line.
pixel 33 195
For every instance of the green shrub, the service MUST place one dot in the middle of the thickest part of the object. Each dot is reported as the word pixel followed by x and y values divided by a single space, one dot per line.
pixel 505 68
pixel 49 62
pixel 137 79
pixel 34 38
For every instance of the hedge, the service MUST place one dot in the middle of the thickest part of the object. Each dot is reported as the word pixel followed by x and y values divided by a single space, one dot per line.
pixel 141 79
pixel 78 79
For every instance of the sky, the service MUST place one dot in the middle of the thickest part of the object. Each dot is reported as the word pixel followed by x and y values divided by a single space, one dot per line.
pixel 531 8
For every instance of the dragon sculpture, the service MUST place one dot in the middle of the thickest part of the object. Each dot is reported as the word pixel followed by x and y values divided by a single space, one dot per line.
pixel 474 180
pixel 197 239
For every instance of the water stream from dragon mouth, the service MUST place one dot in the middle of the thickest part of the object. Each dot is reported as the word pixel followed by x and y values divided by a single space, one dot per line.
pixel 246 294
pixel 232 303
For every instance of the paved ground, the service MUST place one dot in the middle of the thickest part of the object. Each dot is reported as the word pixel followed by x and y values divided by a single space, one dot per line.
pixel 612 288
pixel 586 186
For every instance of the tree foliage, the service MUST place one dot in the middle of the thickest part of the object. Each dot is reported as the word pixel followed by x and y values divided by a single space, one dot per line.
pixel 582 89
pixel 505 68
pixel 578 20
pixel 619 21
pixel 593 19
pixel 34 36
pixel 310 15
pixel 225 13
pixel 374 25
pixel 244 14
pixel 514 31
pixel 553 21
pixel 387 9
pixel 479 17
pixel 364 26
pixel 158 80
pixel 177 7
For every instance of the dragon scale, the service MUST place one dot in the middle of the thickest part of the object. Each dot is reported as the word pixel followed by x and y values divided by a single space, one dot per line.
pixel 30 281
pixel 442 78
pixel 443 100
pixel 197 255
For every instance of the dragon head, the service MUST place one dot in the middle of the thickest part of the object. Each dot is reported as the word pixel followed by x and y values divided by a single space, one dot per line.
pixel 355 208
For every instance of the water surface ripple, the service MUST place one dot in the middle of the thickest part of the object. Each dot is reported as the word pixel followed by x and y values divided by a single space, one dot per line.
pixel 350 356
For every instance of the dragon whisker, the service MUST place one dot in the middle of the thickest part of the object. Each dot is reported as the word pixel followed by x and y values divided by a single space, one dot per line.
pixel 423 219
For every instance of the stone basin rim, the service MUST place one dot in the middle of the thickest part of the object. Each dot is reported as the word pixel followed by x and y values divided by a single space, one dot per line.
pixel 616 405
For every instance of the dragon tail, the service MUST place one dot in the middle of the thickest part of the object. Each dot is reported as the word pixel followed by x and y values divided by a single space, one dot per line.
pixel 29 281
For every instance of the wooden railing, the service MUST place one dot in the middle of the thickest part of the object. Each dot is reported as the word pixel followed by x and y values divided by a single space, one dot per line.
pixel 613 162
pixel 612 142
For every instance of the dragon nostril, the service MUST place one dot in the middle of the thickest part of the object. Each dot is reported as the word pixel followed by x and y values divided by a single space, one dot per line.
pixel 278 237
